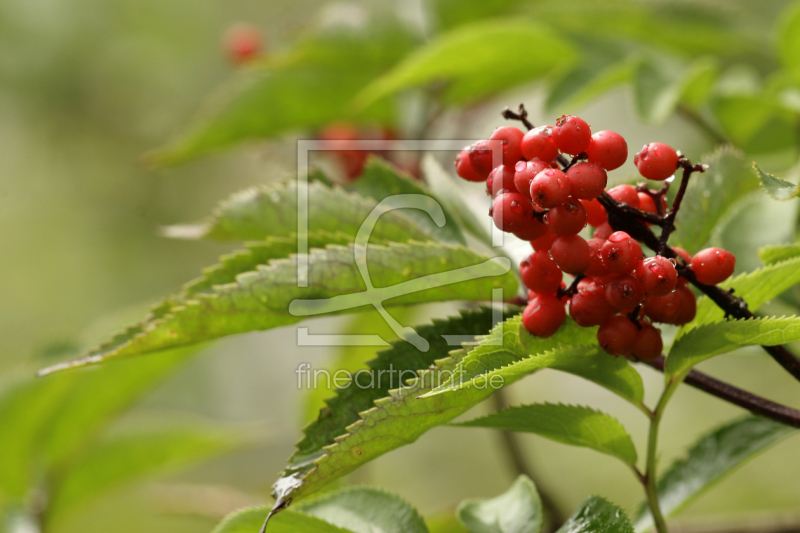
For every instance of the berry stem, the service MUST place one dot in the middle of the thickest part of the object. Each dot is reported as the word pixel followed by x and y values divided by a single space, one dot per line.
pixel 650 473
pixel 521 115
pixel 668 223
pixel 747 400
pixel 572 289
pixel 580 157
pixel 621 218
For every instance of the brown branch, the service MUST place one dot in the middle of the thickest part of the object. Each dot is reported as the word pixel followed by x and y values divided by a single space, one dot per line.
pixel 521 115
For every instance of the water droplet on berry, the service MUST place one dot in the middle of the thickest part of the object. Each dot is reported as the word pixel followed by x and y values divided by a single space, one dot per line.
pixel 520 166
pixel 517 207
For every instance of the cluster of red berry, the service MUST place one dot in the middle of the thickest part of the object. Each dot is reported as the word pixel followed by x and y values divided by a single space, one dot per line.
pixel 542 197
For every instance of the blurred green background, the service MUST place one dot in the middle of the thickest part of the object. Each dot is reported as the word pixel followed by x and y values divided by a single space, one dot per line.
pixel 87 87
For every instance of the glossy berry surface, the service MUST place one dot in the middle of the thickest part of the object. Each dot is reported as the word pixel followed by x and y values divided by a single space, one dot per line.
pixel 627 194
pixel 587 180
pixel 647 344
pixel 589 306
pixel 511 211
pixel 656 161
pixel 624 292
pixel 540 273
pixel 524 172
pixel 568 218
pixel 482 158
pixel 511 138
pixel 596 266
pixel 501 179
pixel 543 243
pixel 616 335
pixel 571 254
pixel 531 230
pixel 621 253
pixel 713 265
pixel 607 149
pixel 539 144
pixel 464 167
pixel 595 212
pixel 543 315
pixel 657 275
pixel 572 134
pixel 550 188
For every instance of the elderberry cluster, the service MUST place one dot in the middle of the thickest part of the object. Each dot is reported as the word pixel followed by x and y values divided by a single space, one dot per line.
pixel 541 196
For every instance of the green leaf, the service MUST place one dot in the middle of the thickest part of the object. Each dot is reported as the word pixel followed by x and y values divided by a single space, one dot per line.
pixel 518 510
pixel 656 88
pixel 569 424
pixel 757 123
pixel 269 297
pixel 756 288
pixel 597 515
pixel 777 188
pixel 381 179
pixel 698 82
pixel 306 88
pixel 770 255
pixel 366 510
pixel 289 521
pixel 475 59
pixel 709 460
pixel 712 197
pixel 271 210
pixel 789 35
pixel 377 413
pixel 709 340
pixel 107 465
pixel 510 353
pixel 588 81
pixel 448 14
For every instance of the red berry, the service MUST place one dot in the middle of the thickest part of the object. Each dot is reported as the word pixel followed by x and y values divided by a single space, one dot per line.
pixel 500 180
pixel 571 253
pixel 603 231
pixel 482 158
pixel 532 230
pixel 464 167
pixel 511 211
pixel 656 161
pixel 595 212
pixel 683 254
pixel 608 149
pixel 572 134
pixel 624 292
pixel 713 265
pixel 568 218
pixel 687 307
pixel 540 273
pixel 545 242
pixel 657 275
pixel 243 43
pixel 646 203
pixel 616 335
pixel 626 194
pixel 589 306
pixel 524 172
pixel 511 138
pixel 621 253
pixel 587 180
pixel 543 315
pixel 663 309
pixel 539 144
pixel 596 266
pixel 647 345
pixel 550 188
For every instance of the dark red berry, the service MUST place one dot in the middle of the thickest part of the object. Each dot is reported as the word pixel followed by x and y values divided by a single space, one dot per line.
pixel 656 161
pixel 616 335
pixel 511 211
pixel 596 266
pixel 624 292
pixel 540 273
pixel 571 253
pixel 687 307
pixel 657 275
pixel 647 345
pixel 589 306
pixel 464 167
pixel 603 231
pixel 621 253
pixel 595 212
pixel 572 134
pixel 532 230
pixel 539 144
pixel 683 254
pixel 500 180
pixel 664 309
pixel 550 188
pixel 545 242
pixel 543 315
pixel 483 159
pixel 626 194
pixel 713 265
pixel 511 138
pixel 608 149
pixel 243 43
pixel 568 218
pixel 587 180
pixel 524 172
